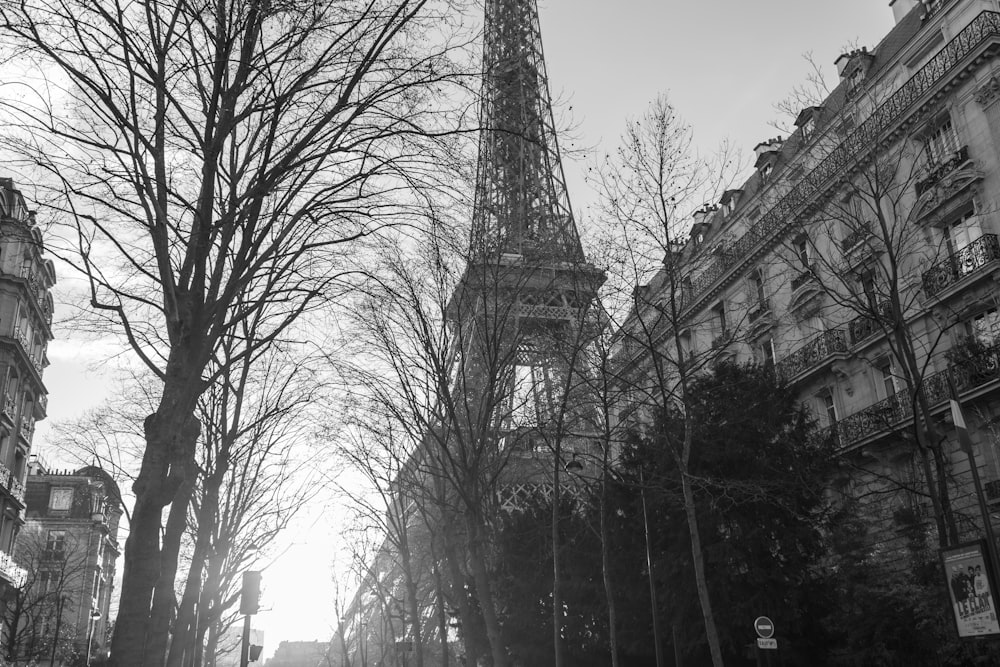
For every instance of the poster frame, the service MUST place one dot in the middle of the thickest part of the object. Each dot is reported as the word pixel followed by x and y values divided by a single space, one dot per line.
pixel 987 561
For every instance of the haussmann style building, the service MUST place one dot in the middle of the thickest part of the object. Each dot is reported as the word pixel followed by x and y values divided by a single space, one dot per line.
pixel 861 259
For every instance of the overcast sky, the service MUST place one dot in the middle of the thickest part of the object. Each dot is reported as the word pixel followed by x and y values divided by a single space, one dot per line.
pixel 723 64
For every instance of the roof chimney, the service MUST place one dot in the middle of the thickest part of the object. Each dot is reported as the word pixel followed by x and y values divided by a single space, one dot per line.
pixel 768 146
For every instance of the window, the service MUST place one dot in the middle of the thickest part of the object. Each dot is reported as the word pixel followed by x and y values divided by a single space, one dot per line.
pixel 867 282
pixel 765 352
pixel 801 248
pixel 97 584
pixel 756 284
pixel 829 408
pixel 765 171
pixel 809 129
pixel 885 379
pixel 719 315
pixel 962 231
pixel 55 543
pixel 941 142
pixel 855 78
pixel 985 327
pixel 61 499
pixel 46 582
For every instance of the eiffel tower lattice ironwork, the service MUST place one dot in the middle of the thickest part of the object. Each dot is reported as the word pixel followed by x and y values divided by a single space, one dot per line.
pixel 527 284
pixel 522 206
pixel 522 317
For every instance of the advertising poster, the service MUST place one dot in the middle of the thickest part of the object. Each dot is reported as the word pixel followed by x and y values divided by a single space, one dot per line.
pixel 970 589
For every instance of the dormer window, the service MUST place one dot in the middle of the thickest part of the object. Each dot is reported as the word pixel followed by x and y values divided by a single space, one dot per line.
pixel 765 171
pixel 728 201
pixel 855 78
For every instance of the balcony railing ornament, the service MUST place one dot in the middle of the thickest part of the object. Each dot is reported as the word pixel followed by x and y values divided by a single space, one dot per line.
pixel 938 171
pixel 820 347
pixel 968 260
pixel 854 148
pixel 974 367
pixel 762 308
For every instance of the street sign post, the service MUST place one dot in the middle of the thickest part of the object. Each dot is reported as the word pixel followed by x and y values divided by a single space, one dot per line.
pixel 764 627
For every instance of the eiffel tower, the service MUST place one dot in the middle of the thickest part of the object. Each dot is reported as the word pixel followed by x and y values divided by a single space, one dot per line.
pixel 527 281
pixel 522 315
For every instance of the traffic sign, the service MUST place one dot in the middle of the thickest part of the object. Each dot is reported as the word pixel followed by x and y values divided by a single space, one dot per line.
pixel 764 642
pixel 764 627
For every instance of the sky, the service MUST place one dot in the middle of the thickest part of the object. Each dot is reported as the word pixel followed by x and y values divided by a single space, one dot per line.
pixel 722 63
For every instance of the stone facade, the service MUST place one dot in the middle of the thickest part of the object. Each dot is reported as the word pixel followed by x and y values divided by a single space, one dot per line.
pixel 25 331
pixel 862 260
pixel 70 541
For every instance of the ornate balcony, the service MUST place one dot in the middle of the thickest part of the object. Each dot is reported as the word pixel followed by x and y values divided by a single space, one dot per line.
pixel 942 169
pixel 864 327
pixel 762 308
pixel 4 477
pixel 819 349
pixel 27 427
pixel 806 276
pixel 875 418
pixel 968 260
pixel 11 571
pixel 967 374
pixel 944 64
pixel 992 489
pixel 862 232
pixel 17 489
pixel 22 337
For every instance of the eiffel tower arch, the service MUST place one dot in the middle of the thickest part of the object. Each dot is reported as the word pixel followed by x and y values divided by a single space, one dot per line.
pixel 516 406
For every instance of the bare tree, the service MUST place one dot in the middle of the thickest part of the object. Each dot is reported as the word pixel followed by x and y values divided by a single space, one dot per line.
pixel 213 162
pixel 41 618
pixel 648 188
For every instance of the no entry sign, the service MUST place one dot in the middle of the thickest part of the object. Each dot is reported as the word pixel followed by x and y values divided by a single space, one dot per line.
pixel 764 627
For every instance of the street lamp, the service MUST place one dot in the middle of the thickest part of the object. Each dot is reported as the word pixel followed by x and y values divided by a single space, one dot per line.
pixel 95 616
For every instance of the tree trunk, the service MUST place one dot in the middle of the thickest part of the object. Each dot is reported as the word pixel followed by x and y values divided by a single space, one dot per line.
pixel 442 612
pixel 556 574
pixel 171 434
pixel 485 592
pixel 185 634
pixel 606 572
pixel 698 560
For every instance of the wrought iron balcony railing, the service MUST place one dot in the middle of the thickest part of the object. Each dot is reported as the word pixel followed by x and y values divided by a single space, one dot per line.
pixel 863 327
pixel 861 142
pixel 966 261
pixel 11 571
pixel 4 476
pixel 859 234
pixel 17 489
pixel 966 375
pixel 942 169
pixel 27 426
pixel 806 276
pixel 762 308
pixel 819 349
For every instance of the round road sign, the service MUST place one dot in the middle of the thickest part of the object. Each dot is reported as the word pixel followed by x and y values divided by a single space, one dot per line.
pixel 764 627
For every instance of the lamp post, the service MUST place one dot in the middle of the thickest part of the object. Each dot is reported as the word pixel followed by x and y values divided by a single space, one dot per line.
pixel 95 616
